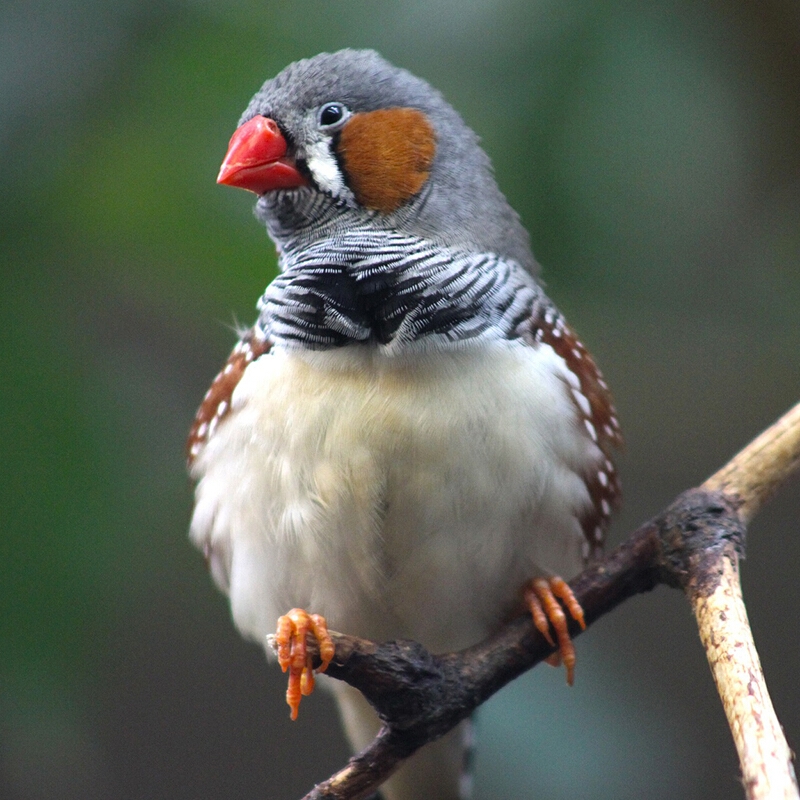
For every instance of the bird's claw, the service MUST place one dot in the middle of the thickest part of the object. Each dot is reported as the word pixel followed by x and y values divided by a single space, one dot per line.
pixel 542 597
pixel 290 643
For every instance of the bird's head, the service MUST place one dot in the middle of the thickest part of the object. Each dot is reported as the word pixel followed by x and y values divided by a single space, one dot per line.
pixel 346 136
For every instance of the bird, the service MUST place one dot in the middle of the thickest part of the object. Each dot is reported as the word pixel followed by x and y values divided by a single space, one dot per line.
pixel 410 442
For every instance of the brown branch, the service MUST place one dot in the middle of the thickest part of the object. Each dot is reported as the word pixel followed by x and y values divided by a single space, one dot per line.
pixel 758 471
pixel 749 479
pixel 694 544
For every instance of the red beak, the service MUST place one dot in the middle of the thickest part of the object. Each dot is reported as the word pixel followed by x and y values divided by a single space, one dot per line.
pixel 256 159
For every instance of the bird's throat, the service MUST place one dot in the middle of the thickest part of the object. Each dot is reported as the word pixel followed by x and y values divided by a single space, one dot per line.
pixel 392 290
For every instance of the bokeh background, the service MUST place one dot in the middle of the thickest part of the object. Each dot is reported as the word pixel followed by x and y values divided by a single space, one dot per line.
pixel 653 151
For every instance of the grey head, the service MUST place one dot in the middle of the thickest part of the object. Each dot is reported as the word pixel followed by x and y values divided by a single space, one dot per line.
pixel 313 102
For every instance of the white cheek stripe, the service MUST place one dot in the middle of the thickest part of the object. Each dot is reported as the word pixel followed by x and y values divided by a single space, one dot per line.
pixel 326 171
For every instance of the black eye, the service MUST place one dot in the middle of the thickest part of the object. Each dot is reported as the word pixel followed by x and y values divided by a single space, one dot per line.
pixel 332 114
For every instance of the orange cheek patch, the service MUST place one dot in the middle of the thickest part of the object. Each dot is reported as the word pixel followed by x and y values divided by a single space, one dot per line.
pixel 387 156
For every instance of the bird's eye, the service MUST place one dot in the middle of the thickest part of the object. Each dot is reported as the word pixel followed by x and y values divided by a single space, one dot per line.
pixel 332 114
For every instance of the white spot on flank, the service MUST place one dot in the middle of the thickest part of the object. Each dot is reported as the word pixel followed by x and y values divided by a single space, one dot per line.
pixel 228 369
pixel 222 408
pixel 602 478
pixel 590 428
pixel 598 534
pixel 606 507
pixel 201 431
pixel 577 353
pixel 585 550
pixel 583 403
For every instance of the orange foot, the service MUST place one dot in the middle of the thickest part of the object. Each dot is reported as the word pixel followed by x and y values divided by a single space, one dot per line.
pixel 541 597
pixel 290 640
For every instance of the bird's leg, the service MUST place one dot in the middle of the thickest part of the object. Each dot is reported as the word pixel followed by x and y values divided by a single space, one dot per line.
pixel 541 597
pixel 290 641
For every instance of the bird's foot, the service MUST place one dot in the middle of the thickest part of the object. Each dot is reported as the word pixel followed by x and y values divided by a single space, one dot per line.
pixel 541 597
pixel 290 642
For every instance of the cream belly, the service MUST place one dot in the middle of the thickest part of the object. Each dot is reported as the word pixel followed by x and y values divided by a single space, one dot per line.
pixel 399 496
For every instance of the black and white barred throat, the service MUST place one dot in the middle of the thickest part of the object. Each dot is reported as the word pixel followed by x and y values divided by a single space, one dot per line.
pixel 368 285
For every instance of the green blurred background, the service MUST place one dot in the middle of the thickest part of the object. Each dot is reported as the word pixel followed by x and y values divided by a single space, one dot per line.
pixel 653 151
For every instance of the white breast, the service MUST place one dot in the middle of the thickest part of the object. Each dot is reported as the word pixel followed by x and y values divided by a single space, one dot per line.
pixel 400 497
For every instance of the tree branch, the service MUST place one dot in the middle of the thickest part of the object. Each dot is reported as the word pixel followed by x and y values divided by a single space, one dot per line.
pixel 757 472
pixel 749 480
pixel 695 544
